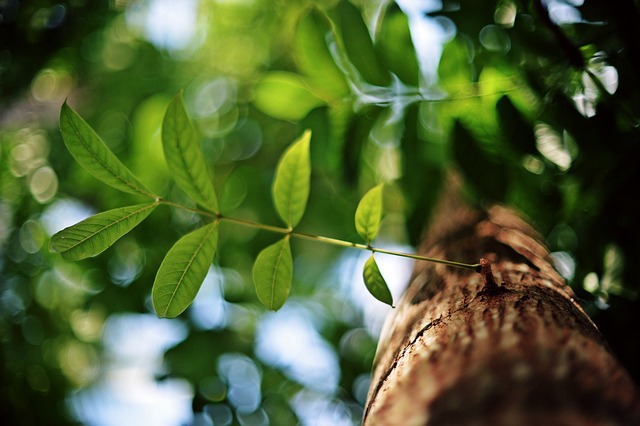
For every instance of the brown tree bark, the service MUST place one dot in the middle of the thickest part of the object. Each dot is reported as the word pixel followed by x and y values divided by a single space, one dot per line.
pixel 508 346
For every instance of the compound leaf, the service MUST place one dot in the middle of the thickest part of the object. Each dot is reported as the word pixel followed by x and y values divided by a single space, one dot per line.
pixel 375 282
pixel 292 181
pixel 183 270
pixel 93 154
pixel 369 214
pixel 95 234
pixel 184 155
pixel 272 274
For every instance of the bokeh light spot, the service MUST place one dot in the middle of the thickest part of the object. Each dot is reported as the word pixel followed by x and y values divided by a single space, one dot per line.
pixel 495 39
pixel 213 389
pixel 79 362
pixel 31 236
pixel 220 414
pixel 51 85
pixel 37 378
pixel 243 379
pixel 43 184
pixel 32 330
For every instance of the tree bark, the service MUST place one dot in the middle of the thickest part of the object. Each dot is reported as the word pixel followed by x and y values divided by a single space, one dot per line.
pixel 507 346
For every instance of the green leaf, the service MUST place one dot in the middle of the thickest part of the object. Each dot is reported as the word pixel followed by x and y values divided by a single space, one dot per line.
pixel 97 233
pixel 357 43
pixel 94 155
pixel 183 270
pixel 395 46
pixel 375 282
pixel 272 274
pixel 455 67
pixel 369 214
pixel 293 180
pixel 184 155
pixel 314 58
pixel 285 95
pixel 516 128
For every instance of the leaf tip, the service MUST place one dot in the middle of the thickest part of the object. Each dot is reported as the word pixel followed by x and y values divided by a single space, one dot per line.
pixel 306 135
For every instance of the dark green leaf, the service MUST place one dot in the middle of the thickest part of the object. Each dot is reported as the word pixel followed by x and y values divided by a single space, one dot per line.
pixel 369 214
pixel 94 155
pixel 184 155
pixel 314 58
pixel 97 233
pixel 396 47
pixel 375 282
pixel 517 131
pixel 272 274
pixel 183 270
pixel 293 180
pixel 356 135
pixel 354 34
pixel 483 171
pixel 422 164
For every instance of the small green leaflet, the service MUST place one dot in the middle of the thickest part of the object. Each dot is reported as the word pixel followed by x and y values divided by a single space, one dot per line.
pixel 369 214
pixel 183 270
pixel 184 155
pixel 375 282
pixel 293 180
pixel 94 155
pixel 97 233
pixel 272 274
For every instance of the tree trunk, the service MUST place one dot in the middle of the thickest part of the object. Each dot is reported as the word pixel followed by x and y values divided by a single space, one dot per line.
pixel 507 346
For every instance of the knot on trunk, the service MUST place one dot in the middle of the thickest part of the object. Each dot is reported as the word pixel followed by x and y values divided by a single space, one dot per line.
pixel 490 286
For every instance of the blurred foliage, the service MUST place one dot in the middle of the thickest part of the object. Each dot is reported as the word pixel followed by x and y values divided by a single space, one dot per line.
pixel 537 107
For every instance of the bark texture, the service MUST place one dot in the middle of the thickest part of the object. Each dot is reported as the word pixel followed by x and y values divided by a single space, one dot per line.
pixel 508 346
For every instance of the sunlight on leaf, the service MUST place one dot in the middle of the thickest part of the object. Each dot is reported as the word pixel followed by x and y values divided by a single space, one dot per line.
pixel 272 274
pixel 375 282
pixel 183 270
pixel 97 233
pixel 93 154
pixel 285 95
pixel 293 180
pixel 184 155
pixel 369 214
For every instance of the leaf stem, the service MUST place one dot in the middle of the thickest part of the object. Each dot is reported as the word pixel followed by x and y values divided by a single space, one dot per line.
pixel 342 243
pixel 189 209
pixel 327 240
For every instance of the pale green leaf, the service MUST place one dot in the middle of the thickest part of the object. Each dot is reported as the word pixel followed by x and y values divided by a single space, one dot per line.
pixel 369 214
pixel 183 270
pixel 285 95
pixel 292 181
pixel 94 155
pixel 375 282
pixel 272 274
pixel 184 155
pixel 95 234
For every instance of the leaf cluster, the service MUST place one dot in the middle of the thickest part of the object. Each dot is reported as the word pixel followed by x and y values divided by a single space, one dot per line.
pixel 186 264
